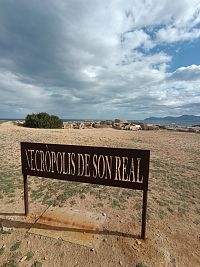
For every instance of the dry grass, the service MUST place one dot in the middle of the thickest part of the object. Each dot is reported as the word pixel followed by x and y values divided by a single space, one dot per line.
pixel 173 189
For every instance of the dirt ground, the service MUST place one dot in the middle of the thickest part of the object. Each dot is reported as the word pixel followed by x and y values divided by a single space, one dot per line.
pixel 173 225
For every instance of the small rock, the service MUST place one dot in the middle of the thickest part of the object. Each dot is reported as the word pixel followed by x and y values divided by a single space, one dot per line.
pixel 3 246
pixel 23 258
pixel 45 258
pixel 92 249
pixel 135 248
pixel 103 214
pixel 6 229
pixel 138 242
pixel 104 240
pixel 120 262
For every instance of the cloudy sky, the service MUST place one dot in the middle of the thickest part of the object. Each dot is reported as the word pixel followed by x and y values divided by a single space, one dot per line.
pixel 99 58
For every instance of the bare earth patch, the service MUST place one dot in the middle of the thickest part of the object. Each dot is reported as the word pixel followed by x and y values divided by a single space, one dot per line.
pixel 173 227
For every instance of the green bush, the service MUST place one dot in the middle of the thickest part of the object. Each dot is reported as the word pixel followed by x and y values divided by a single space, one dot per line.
pixel 43 120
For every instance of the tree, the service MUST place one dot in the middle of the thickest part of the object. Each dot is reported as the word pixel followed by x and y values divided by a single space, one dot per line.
pixel 43 120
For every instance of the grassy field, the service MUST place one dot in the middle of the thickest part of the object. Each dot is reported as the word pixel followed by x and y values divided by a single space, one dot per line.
pixel 173 199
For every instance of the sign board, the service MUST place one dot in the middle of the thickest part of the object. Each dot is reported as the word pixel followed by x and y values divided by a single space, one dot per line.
pixel 118 167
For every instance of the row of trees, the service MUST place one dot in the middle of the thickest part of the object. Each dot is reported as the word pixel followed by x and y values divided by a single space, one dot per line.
pixel 43 120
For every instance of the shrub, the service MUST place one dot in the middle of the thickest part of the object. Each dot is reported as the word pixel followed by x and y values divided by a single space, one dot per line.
pixel 43 120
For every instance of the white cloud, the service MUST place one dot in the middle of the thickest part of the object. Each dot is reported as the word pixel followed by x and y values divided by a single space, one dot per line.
pixel 96 58
pixel 19 98
pixel 172 34
pixel 135 39
pixel 189 73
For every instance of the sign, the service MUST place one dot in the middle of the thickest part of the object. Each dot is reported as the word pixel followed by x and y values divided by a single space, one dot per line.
pixel 118 167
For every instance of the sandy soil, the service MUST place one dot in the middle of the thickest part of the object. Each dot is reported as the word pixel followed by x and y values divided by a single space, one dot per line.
pixel 173 227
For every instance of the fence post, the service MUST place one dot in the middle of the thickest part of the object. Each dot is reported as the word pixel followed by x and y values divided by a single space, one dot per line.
pixel 144 213
pixel 25 194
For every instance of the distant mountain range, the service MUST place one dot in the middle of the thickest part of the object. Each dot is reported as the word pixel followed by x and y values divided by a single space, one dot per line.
pixel 187 120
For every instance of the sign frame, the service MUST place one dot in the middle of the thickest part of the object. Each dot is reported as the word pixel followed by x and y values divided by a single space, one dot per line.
pixel 100 165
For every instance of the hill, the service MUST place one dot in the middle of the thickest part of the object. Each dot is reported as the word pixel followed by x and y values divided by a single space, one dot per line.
pixel 186 120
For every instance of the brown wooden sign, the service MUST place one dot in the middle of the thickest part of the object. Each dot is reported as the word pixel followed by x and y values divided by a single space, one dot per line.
pixel 118 167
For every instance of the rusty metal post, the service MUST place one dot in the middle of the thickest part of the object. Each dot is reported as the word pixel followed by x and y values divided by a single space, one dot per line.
pixel 144 214
pixel 25 194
